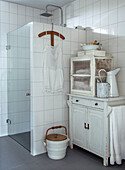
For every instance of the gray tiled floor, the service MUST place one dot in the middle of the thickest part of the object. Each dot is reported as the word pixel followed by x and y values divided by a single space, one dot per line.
pixel 23 139
pixel 15 157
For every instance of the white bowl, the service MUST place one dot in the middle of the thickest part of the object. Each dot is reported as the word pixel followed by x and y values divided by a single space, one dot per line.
pixel 89 47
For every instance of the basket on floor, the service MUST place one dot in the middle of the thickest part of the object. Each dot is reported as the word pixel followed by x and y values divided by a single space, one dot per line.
pixel 56 144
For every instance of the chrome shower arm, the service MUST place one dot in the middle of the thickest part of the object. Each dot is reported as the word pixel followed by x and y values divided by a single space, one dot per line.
pixel 60 9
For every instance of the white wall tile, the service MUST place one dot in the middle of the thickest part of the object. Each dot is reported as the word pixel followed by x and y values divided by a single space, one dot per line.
pixel 104 33
pixel 4 17
pixel 76 5
pixel 112 4
pixel 113 31
pixel 58 115
pixel 38 45
pixel 104 6
pixel 21 10
pixel 13 8
pixel 121 3
pixel 38 60
pixel 36 13
pixel 113 16
pixel 38 89
pixel 121 14
pixel 66 47
pixel 58 102
pixel 49 102
pixel 104 19
pixel 49 116
pixel 88 2
pixel 81 36
pixel 121 31
pixel 21 20
pixel 121 42
pixel 96 21
pixel 121 59
pixel 66 33
pixel 4 6
pixel 74 35
pixel 97 7
pixel 113 48
pixel 38 119
pixel 38 147
pixel 29 19
pixel 121 75
pixel 13 19
pixel 82 3
pixel 29 11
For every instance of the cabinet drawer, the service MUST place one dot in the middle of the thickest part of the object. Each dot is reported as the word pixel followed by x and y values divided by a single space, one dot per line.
pixel 88 103
pixel 81 101
pixel 97 104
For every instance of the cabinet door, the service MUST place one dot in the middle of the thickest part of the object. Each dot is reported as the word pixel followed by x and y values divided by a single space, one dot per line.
pixel 79 132
pixel 81 75
pixel 96 131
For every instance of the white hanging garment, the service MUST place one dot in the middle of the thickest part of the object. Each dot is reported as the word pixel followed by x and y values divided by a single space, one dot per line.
pixel 53 69
pixel 117 135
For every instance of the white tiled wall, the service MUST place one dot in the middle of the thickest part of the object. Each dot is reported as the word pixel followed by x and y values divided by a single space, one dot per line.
pixel 12 16
pixel 107 19
pixel 48 109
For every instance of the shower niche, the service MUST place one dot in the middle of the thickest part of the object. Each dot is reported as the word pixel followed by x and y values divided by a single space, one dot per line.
pixel 84 73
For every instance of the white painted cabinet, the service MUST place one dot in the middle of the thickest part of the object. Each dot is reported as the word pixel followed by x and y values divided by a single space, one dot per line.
pixel 79 119
pixel 88 129
pixel 96 131
pixel 89 123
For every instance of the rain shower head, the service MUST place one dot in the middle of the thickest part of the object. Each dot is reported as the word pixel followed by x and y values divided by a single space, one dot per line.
pixel 46 14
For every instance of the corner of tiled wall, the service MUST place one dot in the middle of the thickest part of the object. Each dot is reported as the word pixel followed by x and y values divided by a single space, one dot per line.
pixel 107 20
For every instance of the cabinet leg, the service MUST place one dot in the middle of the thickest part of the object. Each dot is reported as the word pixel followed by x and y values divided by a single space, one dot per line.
pixel 105 161
pixel 71 145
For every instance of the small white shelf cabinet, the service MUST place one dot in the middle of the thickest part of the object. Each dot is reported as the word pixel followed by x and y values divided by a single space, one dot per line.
pixel 89 123
pixel 84 73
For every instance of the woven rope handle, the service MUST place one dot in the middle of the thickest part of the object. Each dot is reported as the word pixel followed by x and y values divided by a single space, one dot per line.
pixel 54 127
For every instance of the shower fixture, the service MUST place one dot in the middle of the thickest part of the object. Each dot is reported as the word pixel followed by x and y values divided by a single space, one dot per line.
pixel 46 14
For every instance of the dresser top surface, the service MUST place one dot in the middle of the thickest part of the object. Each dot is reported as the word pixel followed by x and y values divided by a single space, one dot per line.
pixel 99 99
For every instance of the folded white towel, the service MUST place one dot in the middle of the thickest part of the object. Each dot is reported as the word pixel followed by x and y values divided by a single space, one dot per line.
pixel 117 135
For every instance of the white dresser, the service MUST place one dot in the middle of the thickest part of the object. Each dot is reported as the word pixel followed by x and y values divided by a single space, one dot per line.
pixel 89 123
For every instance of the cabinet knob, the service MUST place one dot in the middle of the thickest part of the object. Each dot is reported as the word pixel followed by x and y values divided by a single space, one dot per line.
pixel 96 104
pixel 87 127
pixel 77 100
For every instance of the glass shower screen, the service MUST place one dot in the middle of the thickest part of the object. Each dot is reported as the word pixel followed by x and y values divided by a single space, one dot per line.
pixel 18 82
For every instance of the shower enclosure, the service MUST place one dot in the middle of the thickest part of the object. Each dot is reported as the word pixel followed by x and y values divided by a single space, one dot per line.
pixel 18 84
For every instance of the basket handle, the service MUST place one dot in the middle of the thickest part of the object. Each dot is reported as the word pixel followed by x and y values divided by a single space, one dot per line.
pixel 54 127
pixel 100 74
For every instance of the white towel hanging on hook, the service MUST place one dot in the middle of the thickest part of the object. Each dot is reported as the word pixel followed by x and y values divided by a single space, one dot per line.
pixel 53 69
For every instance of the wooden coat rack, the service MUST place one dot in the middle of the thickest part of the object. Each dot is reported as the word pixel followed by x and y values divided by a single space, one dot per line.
pixel 52 33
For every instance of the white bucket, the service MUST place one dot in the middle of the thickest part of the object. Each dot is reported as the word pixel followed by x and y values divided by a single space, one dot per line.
pixel 56 149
